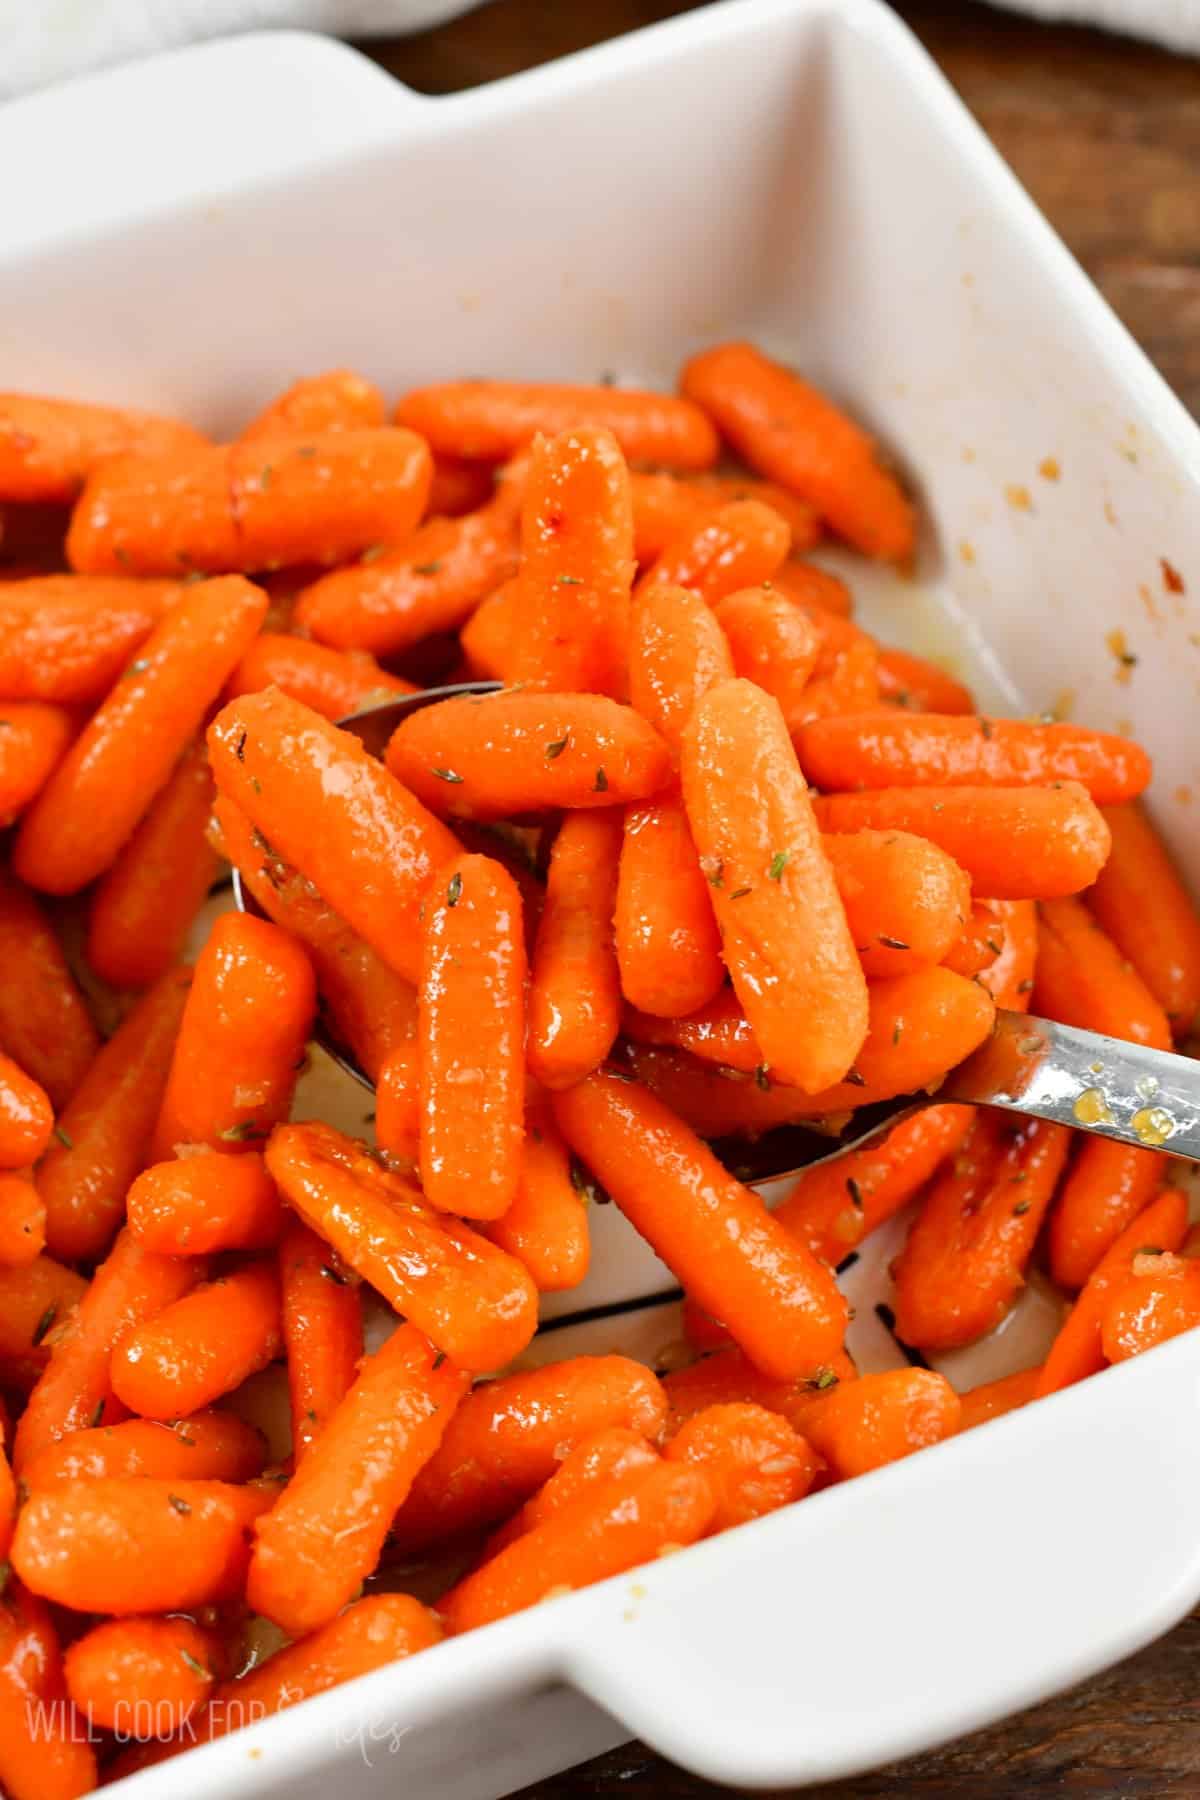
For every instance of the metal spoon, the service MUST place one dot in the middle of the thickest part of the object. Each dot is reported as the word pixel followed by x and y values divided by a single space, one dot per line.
pixel 1147 1098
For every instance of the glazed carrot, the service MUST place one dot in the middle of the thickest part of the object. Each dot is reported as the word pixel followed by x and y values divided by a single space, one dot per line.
pixel 136 1544
pixel 605 1456
pixel 49 447
pixel 666 507
pixel 486 421
pixel 822 594
pixel 965 1257
pixel 905 899
pixel 22 1220
pixel 35 1301
pixel 44 1021
pixel 398 1102
pixel 44 1752
pixel 574 996
pixel 143 908
pixel 338 400
pixel 982 939
pixel 322 1331
pixel 201 1346
pixel 1159 1300
pixel 8 1504
pixel 780 1304
pixel 475 1302
pixel 245 1024
pixel 210 1446
pixel 1078 1349
pixel 911 681
pixel 898 749
pixel 325 1533
pixel 667 942
pixel 66 638
pixel 200 1204
pixel 772 643
pixel 1144 907
pixel 728 1378
pixel 992 1399
pixel 546 1227
pixel 1082 979
pixel 471 1038
pixel 333 684
pixel 737 547
pixel 458 487
pixel 802 520
pixel 509 1436
pixel 714 1101
pixel 754 1459
pixel 332 812
pixel 850 686
pixel 127 750
pixel 1106 1187
pixel 33 740
pixel 677 651
pixel 74 1391
pixel 1008 976
pixel 487 636
pixel 128 1670
pixel 1014 843
pixel 26 1117
pixel 373 1010
pixel 789 432
pixel 430 582
pixel 614 1526
pixel 862 1425
pixel 783 927
pixel 229 508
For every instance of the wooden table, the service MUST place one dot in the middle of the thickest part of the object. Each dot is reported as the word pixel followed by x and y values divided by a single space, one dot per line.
pixel 1105 134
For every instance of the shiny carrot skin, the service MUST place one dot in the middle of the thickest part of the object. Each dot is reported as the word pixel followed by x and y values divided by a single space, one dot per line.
pixel 1107 1186
pixel 127 750
pixel 911 681
pixel 398 1103
pixel 471 1039
pixel 755 1461
pixel 802 520
pixel 196 1205
pixel 900 749
pixel 157 1670
pixel 546 1227
pixel 509 1437
pixel 677 651
pixel 604 1456
pixel 737 547
pixel 780 1304
pixel 1145 908
pixel 784 932
pixel 322 1331
pixel 487 636
pixel 475 1302
pixel 772 643
pixel 201 1346
pixel 49 447
pixel 861 1425
pixel 821 594
pixel 728 1377
pixel 787 431
pixel 26 1117
pixel 1159 1300
pixel 36 1300
pixel 22 1220
pixel 1014 843
pixel 44 1020
pixel 667 942
pixel 906 901
pixel 34 737
pixel 8 1502
pixel 715 1101
pixel 1082 979
pixel 992 1399
pixel 665 507
pixel 66 638
pixel 44 1757
pixel 1008 978
pixel 574 994
pixel 209 1446
pixel 486 421
pixel 458 487
pixel 143 908
pixel 331 811
pixel 337 400
pixel 245 1025
pixel 331 682
pixel 325 1533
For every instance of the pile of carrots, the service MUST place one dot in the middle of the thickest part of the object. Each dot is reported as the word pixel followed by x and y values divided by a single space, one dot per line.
pixel 711 860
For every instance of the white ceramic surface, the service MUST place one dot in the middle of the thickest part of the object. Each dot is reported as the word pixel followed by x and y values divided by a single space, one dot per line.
pixel 794 170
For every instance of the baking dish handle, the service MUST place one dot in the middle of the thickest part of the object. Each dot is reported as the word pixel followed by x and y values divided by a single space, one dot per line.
pixel 918 1603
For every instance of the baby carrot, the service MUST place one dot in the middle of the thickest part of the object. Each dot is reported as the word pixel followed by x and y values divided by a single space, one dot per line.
pixel 677 651
pixel 727 1377
pixel 783 926
pixel 802 520
pixel 1106 1187
pixel 907 680
pixel 1008 974
pixel 1159 1300
pixel 143 908
pixel 128 748
pixel 245 1024
pixel 325 1533
pixel 44 1752
pixel 35 1300
pixel 1082 979
pixel 475 1302
pixel 66 638
pixel 201 1346
pixel 322 1332
pixel 905 899
pixel 772 643
pixel 754 1460
pixel 851 684
pixel 992 1399
pixel 136 1544
pixel 862 1425
pixel 885 749
pixel 665 507
pixel 210 1446
pixel 509 1436
pixel 1078 1349
pixel 982 939
pixel 487 421
pixel 780 1304
pixel 8 1502
pixel 26 1117
pixel 200 1204
pixel 487 636
pixel 458 487
pixel 337 400
pixel 74 1391
pixel 546 1227
pixel 44 1021
pixel 605 1456
pixel 820 593
pixel 49 447
pixel 332 683
pixel 398 1103
pixel 714 1101
pixel 129 1670
pixel 1014 843
pixel 332 812
pixel 22 1219
pixel 789 432
pixel 737 547
pixel 1144 907
pixel 471 1026
pixel 574 994
pixel 33 740
pixel 667 942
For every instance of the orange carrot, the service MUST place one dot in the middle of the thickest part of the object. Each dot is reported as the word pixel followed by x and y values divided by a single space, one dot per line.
pixel 201 1346
pixel 905 899
pixel 33 740
pixel 44 1752
pixel 780 1304
pixel 26 1117
pixel 821 594
pixel 1082 979
pixel 35 1300
pixel 210 1446
pixel 49 447
pixel 667 942
pixel 802 520
pixel 338 400
pixel 1014 843
pixel 546 1227
pixel 486 421
pixel 44 1021
pixel 333 684
pixel 861 1425
pixel 737 547
pixel 754 1459
pixel 398 1103
pixel 772 643
pixel 604 1456
pixel 910 681
pixel 574 995
pixel 1159 1300
pixel 1008 978
pixel 150 1674
pixel 325 1533
pixel 783 926
pixel 66 638
pixel 22 1220
pixel 666 507
pixel 677 651
pixel 475 1302
pixel 982 939
pixel 792 434
pixel 205 1203
pixel 322 1330
pixel 992 1399
pixel 241 1042
pixel 1106 1187
pixel 850 686
pixel 728 1378
pixel 129 747
pixel 1144 907
pixel 458 487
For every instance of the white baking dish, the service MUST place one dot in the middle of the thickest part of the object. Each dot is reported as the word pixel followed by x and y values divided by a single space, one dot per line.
pixel 194 232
